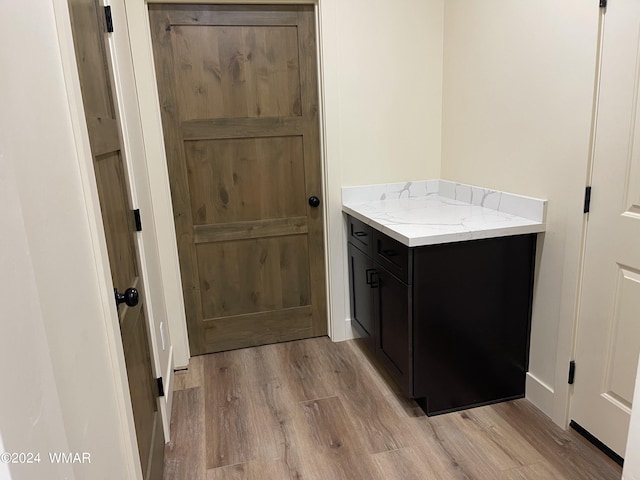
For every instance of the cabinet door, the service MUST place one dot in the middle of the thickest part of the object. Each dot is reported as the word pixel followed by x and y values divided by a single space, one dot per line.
pixel 393 302
pixel 361 279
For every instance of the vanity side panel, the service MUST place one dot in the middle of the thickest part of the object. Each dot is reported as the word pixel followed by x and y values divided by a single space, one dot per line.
pixel 472 320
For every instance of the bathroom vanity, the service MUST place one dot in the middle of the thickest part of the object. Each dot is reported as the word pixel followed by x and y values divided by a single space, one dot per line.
pixel 441 281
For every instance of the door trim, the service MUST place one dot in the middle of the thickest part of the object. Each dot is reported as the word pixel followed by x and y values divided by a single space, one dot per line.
pixel 147 240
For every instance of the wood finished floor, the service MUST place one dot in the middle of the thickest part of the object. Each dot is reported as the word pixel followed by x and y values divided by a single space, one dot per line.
pixel 314 409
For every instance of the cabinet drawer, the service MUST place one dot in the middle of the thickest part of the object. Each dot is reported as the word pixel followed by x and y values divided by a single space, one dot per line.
pixel 360 235
pixel 394 256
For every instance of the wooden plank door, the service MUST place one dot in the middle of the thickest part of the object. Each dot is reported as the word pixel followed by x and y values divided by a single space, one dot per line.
pixel 239 104
pixel 608 342
pixel 88 26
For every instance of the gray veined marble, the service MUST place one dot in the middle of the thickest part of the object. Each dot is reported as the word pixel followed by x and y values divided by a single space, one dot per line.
pixel 429 212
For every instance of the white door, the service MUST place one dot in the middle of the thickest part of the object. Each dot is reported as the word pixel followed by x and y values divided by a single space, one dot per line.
pixel 608 341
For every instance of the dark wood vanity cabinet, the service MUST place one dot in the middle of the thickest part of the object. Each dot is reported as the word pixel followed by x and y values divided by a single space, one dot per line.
pixel 360 275
pixel 449 322
pixel 392 308
pixel 381 297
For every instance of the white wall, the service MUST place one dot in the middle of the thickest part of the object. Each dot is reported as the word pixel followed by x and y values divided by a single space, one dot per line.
pixel 30 415
pixel 5 474
pixel 389 86
pixel 518 88
pixel 64 386
pixel 381 67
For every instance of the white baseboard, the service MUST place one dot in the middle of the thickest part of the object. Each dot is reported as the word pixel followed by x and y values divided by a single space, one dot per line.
pixel 167 400
pixel 539 393
pixel 350 332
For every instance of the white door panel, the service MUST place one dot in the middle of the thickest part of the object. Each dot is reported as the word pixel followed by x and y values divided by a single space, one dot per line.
pixel 608 341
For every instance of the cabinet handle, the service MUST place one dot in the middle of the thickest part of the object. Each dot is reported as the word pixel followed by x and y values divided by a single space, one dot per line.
pixel 372 277
pixel 389 253
pixel 360 234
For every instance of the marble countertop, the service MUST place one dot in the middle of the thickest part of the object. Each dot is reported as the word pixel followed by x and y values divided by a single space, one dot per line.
pixel 438 211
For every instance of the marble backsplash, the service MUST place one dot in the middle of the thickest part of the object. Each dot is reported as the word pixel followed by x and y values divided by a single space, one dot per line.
pixel 519 205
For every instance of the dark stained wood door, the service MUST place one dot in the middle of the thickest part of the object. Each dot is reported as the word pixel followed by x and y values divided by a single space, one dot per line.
pixel 88 26
pixel 239 104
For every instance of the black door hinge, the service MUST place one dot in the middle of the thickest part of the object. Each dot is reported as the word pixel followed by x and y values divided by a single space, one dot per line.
pixel 108 18
pixel 587 199
pixel 572 372
pixel 137 220
pixel 160 387
pixel 603 3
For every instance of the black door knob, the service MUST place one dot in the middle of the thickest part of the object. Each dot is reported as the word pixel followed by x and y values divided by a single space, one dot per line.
pixel 130 297
pixel 314 201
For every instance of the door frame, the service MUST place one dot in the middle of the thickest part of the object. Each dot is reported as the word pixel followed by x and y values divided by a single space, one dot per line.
pixel 157 293
pixel 334 231
pixel 162 360
pixel 113 339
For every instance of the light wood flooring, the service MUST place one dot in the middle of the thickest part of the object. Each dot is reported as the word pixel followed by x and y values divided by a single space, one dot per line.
pixel 314 409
